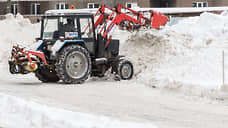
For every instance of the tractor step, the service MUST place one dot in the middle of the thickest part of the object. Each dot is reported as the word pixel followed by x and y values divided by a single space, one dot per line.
pixel 99 61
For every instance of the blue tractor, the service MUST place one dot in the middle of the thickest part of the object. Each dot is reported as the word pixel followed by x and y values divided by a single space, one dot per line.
pixel 70 49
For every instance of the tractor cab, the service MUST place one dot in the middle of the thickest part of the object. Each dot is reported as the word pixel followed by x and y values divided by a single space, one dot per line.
pixel 69 29
pixel 59 30
pixel 68 26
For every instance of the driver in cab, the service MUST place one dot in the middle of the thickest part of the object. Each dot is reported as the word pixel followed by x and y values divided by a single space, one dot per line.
pixel 69 26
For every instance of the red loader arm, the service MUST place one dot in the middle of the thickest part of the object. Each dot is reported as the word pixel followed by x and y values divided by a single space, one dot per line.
pixel 126 18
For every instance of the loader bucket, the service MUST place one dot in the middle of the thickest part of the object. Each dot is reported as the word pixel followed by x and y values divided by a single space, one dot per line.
pixel 159 20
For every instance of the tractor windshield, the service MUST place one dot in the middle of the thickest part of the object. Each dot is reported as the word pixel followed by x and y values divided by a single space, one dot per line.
pixel 50 26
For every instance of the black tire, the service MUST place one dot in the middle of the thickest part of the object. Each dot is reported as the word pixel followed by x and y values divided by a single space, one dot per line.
pixel 46 75
pixel 73 65
pixel 125 69
pixel 12 68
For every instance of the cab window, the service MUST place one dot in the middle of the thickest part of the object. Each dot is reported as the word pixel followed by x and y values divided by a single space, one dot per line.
pixel 68 27
pixel 86 28
pixel 50 26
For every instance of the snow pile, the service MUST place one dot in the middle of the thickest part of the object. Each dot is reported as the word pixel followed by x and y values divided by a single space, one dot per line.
pixel 186 54
pixel 16 112
pixel 16 30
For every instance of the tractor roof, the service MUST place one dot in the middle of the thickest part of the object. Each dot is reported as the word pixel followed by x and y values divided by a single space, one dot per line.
pixel 69 12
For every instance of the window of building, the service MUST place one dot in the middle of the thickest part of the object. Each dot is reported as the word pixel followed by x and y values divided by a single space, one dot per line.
pixel 96 5
pixel 199 4
pixel 194 4
pixel 62 6
pixel 93 5
pixel 164 3
pixel 14 9
pixel 35 8
pixel 205 4
pixel 131 5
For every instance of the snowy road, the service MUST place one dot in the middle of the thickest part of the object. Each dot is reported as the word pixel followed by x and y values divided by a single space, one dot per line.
pixel 125 101
pixel 190 66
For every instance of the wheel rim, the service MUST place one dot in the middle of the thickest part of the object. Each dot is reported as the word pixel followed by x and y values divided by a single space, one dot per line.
pixel 76 65
pixel 126 71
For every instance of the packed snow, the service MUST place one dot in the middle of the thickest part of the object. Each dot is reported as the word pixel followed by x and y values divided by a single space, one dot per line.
pixel 16 30
pixel 185 55
pixel 16 112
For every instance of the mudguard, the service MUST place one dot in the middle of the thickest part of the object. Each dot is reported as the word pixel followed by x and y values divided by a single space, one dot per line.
pixel 37 46
pixel 60 44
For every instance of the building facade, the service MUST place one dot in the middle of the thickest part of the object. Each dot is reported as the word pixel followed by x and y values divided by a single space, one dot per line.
pixel 37 7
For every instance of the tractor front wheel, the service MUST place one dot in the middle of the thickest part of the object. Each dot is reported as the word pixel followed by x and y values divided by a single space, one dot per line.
pixel 125 69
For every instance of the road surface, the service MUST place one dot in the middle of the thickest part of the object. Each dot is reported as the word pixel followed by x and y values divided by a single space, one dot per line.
pixel 125 101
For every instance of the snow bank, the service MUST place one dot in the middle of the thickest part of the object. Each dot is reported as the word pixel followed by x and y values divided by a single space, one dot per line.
pixel 19 113
pixel 187 54
pixel 16 30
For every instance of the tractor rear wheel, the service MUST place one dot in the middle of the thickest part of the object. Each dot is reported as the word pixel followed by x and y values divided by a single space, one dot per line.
pixel 74 64
pixel 46 75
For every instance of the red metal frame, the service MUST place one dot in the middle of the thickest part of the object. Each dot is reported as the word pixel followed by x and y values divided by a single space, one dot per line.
pixel 36 53
pixel 18 52
pixel 130 18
